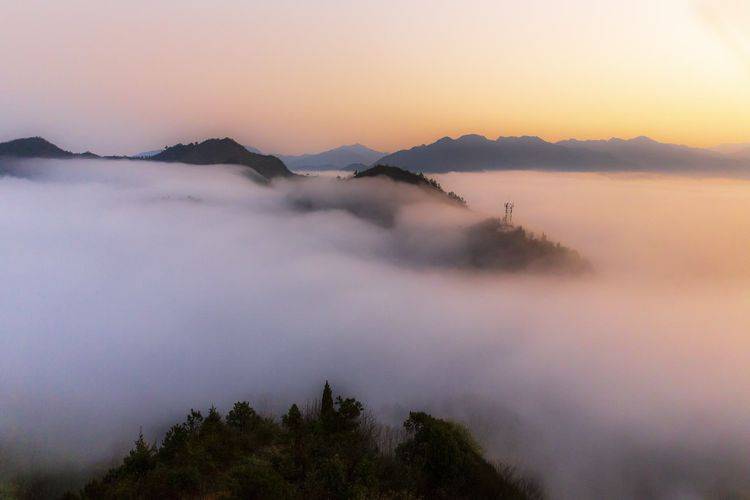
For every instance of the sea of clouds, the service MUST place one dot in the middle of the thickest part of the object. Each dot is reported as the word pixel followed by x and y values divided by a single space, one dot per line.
pixel 134 291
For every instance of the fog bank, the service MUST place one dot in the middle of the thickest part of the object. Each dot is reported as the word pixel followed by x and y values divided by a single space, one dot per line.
pixel 135 291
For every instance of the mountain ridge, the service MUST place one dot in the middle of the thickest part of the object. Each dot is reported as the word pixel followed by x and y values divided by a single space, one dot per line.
pixel 208 152
pixel 473 152
pixel 333 159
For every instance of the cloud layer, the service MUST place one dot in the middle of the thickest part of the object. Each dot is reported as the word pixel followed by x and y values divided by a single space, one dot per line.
pixel 134 291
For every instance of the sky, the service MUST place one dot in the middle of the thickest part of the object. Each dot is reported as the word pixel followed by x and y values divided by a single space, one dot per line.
pixel 290 76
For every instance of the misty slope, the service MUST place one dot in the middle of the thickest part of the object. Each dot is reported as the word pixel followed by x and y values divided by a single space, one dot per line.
pixel 400 175
pixel 474 152
pixel 33 147
pixel 334 159
pixel 431 227
pixel 227 151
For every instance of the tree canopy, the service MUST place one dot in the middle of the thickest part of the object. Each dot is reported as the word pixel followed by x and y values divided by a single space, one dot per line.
pixel 333 450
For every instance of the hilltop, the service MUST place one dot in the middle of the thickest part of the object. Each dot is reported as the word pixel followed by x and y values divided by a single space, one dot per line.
pixel 463 240
pixel 331 450
pixel 154 152
pixel 400 175
pixel 33 147
pixel 223 151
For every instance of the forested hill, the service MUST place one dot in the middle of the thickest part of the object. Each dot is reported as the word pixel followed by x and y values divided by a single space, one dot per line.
pixel 216 151
pixel 400 175
pixel 33 147
pixel 331 450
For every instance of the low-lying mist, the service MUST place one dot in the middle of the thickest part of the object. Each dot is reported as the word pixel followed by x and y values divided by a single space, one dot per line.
pixel 133 291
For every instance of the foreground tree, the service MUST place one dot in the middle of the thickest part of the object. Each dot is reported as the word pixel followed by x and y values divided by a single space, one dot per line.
pixel 329 453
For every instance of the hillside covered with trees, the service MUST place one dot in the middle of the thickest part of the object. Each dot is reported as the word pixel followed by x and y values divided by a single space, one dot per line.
pixel 332 450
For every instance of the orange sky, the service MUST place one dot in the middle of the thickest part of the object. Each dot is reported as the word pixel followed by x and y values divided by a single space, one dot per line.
pixel 294 76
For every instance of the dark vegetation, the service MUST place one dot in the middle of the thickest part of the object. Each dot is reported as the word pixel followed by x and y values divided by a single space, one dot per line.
pixel 376 203
pixel 218 151
pixel 400 175
pixel 493 244
pixel 332 450
pixel 33 147
pixel 209 152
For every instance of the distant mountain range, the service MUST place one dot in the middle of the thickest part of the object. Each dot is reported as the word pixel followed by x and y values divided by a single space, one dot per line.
pixel 467 153
pixel 209 152
pixel 736 150
pixel 475 152
pixel 334 159
pixel 731 148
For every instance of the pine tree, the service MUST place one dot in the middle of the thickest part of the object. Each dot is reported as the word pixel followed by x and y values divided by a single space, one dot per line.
pixel 141 459
pixel 293 419
pixel 327 411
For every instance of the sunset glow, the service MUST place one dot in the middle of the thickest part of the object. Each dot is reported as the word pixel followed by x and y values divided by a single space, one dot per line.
pixel 387 249
pixel 293 76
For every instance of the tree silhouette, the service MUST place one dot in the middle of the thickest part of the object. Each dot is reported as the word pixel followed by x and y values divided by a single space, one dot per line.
pixel 327 455
pixel 327 411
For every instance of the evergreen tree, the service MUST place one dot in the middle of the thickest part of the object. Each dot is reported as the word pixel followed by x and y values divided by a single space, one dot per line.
pixel 141 459
pixel 329 456
pixel 327 411
pixel 293 419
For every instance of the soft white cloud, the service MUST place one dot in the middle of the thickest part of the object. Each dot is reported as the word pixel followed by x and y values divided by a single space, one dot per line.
pixel 135 291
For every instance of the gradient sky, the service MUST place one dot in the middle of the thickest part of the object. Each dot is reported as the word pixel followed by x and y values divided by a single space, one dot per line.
pixel 296 76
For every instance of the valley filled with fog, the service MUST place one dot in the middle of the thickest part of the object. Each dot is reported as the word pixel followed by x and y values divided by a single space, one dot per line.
pixel 134 291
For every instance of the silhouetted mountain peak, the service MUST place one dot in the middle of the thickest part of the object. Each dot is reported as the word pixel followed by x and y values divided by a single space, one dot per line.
pixel 226 150
pixel 524 139
pixel 337 158
pixel 642 139
pixel 33 147
pixel 353 147
pixel 393 173
pixel 472 139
